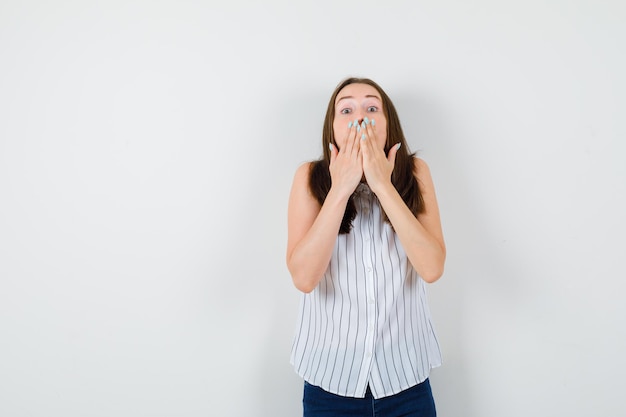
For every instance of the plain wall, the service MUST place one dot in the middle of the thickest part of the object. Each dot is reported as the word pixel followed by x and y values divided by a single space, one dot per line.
pixel 147 150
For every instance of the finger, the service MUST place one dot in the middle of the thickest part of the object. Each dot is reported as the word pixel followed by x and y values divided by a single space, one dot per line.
pixel 392 153
pixel 351 135
pixel 372 129
pixel 362 137
pixel 333 153
pixel 356 128
pixel 368 137
pixel 371 132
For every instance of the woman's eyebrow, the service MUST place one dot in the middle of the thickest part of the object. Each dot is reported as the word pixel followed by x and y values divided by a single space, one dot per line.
pixel 367 96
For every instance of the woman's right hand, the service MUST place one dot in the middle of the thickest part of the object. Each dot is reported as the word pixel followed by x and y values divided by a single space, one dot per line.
pixel 346 164
pixel 313 229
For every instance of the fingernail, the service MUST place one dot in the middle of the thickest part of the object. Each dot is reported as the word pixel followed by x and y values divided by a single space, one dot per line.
pixel 356 122
pixel 398 146
pixel 366 121
pixel 349 125
pixel 363 136
pixel 358 128
pixel 330 146
pixel 363 125
pixel 373 122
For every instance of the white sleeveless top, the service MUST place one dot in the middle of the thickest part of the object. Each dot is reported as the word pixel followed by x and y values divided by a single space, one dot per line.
pixel 367 321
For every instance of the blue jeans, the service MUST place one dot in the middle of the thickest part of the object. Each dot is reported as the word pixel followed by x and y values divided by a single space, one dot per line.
pixel 416 401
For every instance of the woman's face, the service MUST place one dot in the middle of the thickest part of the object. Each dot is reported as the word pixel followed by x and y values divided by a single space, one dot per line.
pixel 356 102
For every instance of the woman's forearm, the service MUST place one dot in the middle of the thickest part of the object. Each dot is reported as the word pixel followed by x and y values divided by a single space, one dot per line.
pixel 425 249
pixel 309 258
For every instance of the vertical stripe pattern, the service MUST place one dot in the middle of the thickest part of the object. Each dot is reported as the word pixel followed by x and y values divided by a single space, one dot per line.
pixel 367 321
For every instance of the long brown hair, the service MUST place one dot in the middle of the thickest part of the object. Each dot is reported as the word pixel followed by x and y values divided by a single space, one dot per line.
pixel 402 177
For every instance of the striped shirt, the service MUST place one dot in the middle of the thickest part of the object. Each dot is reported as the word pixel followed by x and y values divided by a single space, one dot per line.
pixel 367 321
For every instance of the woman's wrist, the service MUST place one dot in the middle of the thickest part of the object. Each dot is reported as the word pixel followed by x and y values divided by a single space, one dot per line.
pixel 338 196
pixel 385 189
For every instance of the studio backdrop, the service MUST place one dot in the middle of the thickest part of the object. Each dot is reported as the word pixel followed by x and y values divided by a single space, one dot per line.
pixel 147 150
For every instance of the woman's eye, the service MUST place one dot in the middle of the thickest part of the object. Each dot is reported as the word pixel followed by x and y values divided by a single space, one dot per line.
pixel 345 111
pixel 372 108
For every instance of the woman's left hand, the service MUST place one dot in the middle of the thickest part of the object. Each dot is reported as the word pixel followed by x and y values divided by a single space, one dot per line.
pixel 377 167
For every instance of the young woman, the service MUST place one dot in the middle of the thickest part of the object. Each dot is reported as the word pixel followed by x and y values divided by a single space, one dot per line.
pixel 364 238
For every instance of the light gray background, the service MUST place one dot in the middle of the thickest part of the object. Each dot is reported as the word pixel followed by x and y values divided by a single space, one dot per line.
pixel 146 154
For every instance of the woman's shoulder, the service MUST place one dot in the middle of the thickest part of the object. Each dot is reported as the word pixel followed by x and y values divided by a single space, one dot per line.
pixel 303 172
pixel 420 167
pixel 301 192
pixel 304 168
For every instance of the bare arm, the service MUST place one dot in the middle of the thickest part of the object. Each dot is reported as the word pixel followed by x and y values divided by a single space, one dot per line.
pixel 421 237
pixel 312 230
